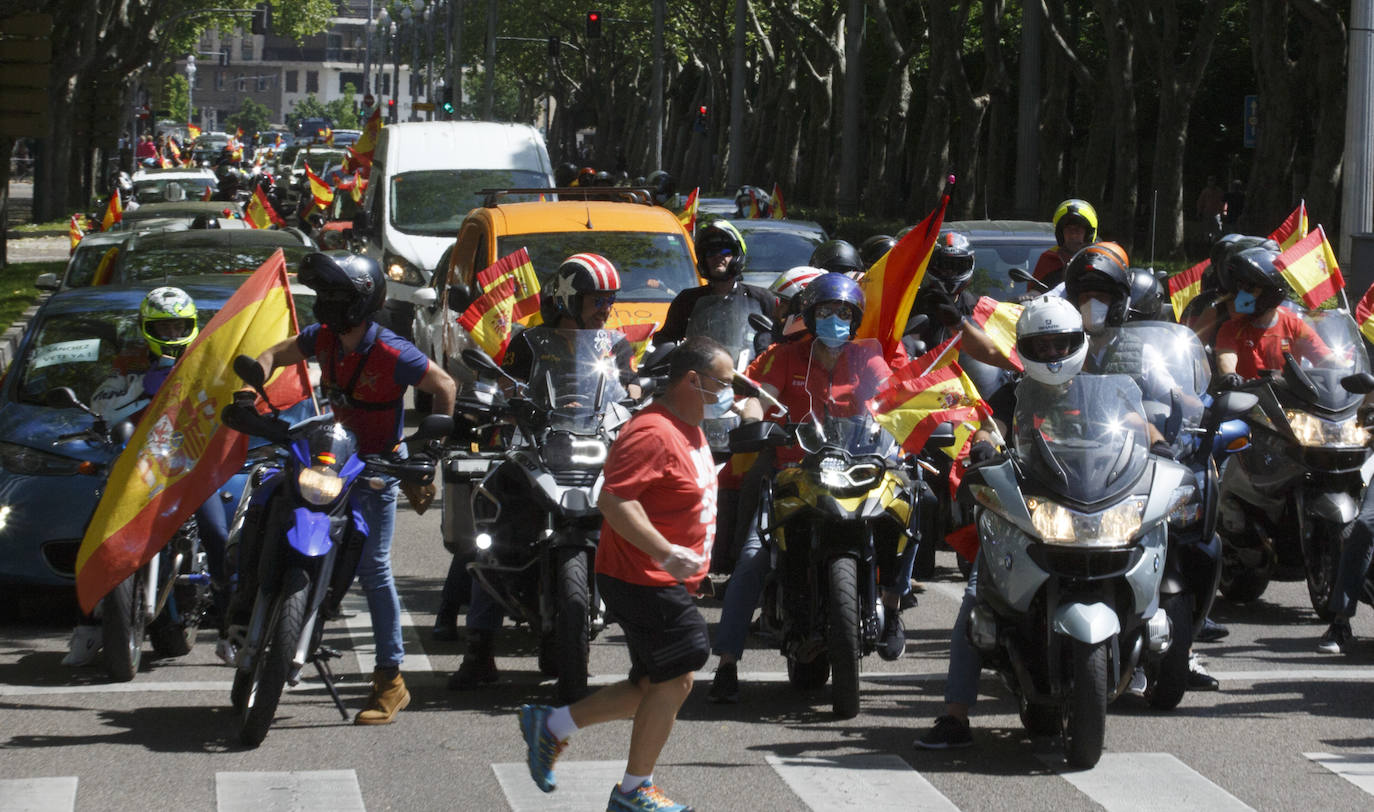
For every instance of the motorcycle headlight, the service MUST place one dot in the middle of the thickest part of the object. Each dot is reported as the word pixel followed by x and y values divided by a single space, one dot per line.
pixel 1186 506
pixel 399 270
pixel 1311 430
pixel 1112 527
pixel 565 451
pixel 837 474
pixel 20 459
pixel 319 485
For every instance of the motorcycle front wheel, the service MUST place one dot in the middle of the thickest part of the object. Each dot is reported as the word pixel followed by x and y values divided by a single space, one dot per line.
pixel 1169 680
pixel 573 624
pixel 842 636
pixel 176 638
pixel 273 663
pixel 1239 582
pixel 1085 712
pixel 1320 556
pixel 122 627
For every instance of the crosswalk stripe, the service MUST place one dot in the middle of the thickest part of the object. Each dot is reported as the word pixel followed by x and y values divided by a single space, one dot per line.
pixel 38 794
pixel 581 785
pixel 359 623
pixel 323 790
pixel 1146 781
pixel 1357 768
pixel 860 781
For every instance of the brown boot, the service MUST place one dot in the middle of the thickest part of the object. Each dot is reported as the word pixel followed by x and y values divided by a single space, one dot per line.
pixel 389 696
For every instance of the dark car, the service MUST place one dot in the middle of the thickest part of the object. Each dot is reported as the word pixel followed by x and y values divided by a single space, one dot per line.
pixel 998 246
pixel 166 256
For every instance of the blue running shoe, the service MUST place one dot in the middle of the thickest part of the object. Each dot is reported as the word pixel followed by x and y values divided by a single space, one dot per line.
pixel 644 798
pixel 541 749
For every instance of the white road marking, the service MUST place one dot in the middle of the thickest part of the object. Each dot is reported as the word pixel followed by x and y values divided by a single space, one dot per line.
pixel 38 794
pixel 135 687
pixel 1146 781
pixel 581 785
pixel 861 781
pixel 1357 768
pixel 706 675
pixel 359 624
pixel 324 790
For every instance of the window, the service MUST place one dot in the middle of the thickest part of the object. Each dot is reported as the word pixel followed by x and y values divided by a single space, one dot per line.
pixel 196 84
pixel 219 80
pixel 262 82
pixel 350 78
pixel 242 83
pixel 333 48
pixel 246 48
pixel 291 81
pixel 386 84
pixel 312 81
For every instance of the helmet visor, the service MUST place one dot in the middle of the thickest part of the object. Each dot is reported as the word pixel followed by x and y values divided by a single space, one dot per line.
pixel 171 329
pixel 1050 347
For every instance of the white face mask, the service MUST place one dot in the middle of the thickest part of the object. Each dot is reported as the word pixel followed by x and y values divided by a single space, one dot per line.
pixel 1094 315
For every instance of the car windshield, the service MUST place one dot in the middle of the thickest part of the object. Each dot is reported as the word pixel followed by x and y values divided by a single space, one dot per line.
pixel 318 159
pixel 435 201
pixel 81 267
pixel 159 263
pixel 992 262
pixel 654 266
pixel 171 190
pixel 772 252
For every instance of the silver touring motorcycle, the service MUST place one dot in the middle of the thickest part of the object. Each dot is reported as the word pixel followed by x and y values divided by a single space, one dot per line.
pixel 1073 535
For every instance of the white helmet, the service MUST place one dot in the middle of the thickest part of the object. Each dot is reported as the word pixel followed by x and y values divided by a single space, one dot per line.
pixel 1050 340
pixel 792 281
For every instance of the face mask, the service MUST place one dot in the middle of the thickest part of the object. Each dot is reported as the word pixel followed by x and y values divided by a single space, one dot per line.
pixel 1245 302
pixel 832 331
pixel 718 408
pixel 1094 315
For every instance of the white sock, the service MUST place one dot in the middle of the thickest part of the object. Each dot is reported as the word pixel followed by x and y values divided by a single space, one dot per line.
pixel 632 782
pixel 561 724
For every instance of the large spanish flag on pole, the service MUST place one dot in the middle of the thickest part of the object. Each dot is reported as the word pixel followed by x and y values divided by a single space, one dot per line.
pixel 1310 267
pixel 360 152
pixel 890 285
pixel 929 391
pixel 488 320
pixel 517 268
pixel 688 215
pixel 319 190
pixel 1292 229
pixel 114 212
pixel 998 321
pixel 259 212
pixel 181 453
pixel 1184 287
pixel 779 207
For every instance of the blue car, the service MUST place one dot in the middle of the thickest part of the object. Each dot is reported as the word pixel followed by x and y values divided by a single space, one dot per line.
pixel 52 471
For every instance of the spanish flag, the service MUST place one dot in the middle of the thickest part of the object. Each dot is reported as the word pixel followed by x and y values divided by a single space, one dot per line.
pixel 1310 267
pixel 208 193
pixel 319 189
pixel 74 232
pixel 779 207
pixel 1364 314
pixel 929 391
pixel 192 131
pixel 259 212
pixel 104 270
pixel 1184 286
pixel 754 211
pixel 488 320
pixel 890 285
pixel 114 212
pixel 181 452
pixel 1292 229
pixel 360 152
pixel 359 186
pixel 175 150
pixel 688 215
pixel 639 336
pixel 998 320
pixel 519 271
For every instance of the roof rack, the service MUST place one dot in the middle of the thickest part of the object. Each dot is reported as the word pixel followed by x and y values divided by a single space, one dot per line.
pixel 622 194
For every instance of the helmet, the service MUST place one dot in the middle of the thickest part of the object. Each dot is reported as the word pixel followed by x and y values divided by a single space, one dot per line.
pixel 167 318
pixel 579 274
pixel 755 194
pixel 951 261
pixel 1050 340
pixel 1227 247
pixel 228 177
pixel 717 236
pixel 1254 267
pixel 565 174
pixel 831 287
pixel 836 255
pixel 586 176
pixel 1100 267
pixel 1146 299
pixel 1074 210
pixel 793 281
pixel 603 178
pixel 875 248
pixel 348 287
pixel 665 188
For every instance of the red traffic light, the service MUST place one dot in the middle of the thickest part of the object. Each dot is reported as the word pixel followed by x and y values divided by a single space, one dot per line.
pixel 701 110
pixel 592 17
pixel 593 25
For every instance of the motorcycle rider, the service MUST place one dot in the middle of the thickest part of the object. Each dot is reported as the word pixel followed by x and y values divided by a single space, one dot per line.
pixel 787 288
pixel 832 307
pixel 1211 308
pixel 838 256
pixel 875 248
pixel 1075 225
pixel 721 256
pixel 579 296
pixel 365 369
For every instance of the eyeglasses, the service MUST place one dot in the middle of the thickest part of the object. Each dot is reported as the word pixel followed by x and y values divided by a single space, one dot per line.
pixel 825 311
pixel 723 384
pixel 720 252
pixel 603 302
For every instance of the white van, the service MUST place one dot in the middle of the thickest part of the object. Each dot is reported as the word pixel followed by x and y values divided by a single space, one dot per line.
pixel 425 178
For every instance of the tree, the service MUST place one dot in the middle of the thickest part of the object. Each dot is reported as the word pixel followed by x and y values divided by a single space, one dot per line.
pixel 176 97
pixel 343 111
pixel 252 117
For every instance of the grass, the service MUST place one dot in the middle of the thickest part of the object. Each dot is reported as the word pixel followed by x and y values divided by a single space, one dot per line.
pixel 17 292
pixel 57 228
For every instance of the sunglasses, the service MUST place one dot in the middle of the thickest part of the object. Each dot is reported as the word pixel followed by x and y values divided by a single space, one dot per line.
pixel 829 309
pixel 603 302
pixel 723 384
pixel 720 252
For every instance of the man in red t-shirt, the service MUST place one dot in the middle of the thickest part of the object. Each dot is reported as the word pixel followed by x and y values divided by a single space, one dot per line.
pixel 658 501
pixel 1261 332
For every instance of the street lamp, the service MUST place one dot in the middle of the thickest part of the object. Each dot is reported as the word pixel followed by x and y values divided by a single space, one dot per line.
pixel 430 13
pixel 395 72
pixel 190 86
pixel 382 23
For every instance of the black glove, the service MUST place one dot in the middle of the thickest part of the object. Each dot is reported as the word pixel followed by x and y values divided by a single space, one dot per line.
pixel 981 452
pixel 1229 381
pixel 941 306
pixel 1162 449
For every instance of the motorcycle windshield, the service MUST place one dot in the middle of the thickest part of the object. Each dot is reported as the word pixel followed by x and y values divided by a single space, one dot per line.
pixel 726 319
pixel 576 375
pixel 1168 363
pixel 1085 440
pixel 842 402
pixel 1338 351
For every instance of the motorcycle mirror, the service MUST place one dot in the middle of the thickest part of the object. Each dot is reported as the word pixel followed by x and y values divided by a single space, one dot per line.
pixel 1019 274
pixel 810 436
pixel 249 371
pixel 656 361
pixel 1233 404
pixel 459 297
pixel 1361 383
pixel 753 437
pixel 942 436
pixel 124 432
pixel 434 427
pixel 918 348
pixel 917 323
pixel 62 397
pixel 760 323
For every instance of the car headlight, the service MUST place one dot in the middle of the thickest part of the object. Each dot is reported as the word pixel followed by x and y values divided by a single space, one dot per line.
pixel 837 474
pixel 319 485
pixel 399 270
pixel 1112 527
pixel 1311 430
pixel 20 459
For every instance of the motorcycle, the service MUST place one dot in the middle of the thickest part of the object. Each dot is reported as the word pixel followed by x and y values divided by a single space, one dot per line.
pixel 299 535
pixel 534 514
pixel 1072 525
pixel 1289 501
pixel 820 518
pixel 166 599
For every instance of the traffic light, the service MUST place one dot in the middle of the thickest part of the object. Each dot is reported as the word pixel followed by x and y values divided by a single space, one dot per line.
pixel 701 122
pixel 593 25
pixel 553 47
pixel 261 19
pixel 446 101
pixel 391 111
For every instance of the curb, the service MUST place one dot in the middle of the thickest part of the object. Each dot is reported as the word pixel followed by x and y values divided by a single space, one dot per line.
pixel 9 340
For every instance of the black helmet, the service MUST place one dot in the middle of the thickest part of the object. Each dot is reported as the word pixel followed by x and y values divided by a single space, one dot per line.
pixel 951 262
pixel 718 235
pixel 1228 246
pixel 348 287
pixel 565 174
pixel 838 256
pixel 603 178
pixel 872 249
pixel 228 177
pixel 1254 267
pixel 665 188
pixel 1146 299
pixel 1101 267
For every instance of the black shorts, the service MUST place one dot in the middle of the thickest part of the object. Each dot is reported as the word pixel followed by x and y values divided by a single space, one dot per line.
pixel 664 630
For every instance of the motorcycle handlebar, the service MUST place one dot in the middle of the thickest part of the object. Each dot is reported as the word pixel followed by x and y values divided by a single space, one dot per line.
pixel 419 469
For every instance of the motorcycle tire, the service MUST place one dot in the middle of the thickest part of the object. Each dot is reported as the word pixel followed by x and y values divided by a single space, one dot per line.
pixel 1039 719
pixel 274 661
pixel 842 635
pixel 573 623
pixel 1321 556
pixel 176 638
pixel 1085 712
pixel 1169 677
pixel 122 627
pixel 808 676
pixel 548 654
pixel 1240 583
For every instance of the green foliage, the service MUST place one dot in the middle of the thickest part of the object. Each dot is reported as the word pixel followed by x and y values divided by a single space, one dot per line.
pixel 342 111
pixel 251 117
pixel 308 107
pixel 176 97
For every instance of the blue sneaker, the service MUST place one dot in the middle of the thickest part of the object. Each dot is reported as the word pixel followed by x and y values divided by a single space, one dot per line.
pixel 541 749
pixel 644 798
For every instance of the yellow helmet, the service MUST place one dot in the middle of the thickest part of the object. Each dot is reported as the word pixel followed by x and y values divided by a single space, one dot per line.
pixel 1075 210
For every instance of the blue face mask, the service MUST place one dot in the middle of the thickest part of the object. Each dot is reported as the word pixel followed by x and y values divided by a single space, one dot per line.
pixel 1245 302
pixel 718 408
pixel 832 331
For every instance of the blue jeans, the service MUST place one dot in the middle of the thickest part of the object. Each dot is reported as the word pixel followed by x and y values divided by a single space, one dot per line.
pixel 1356 555
pixel 965 663
pixel 484 613
pixel 378 508
pixel 742 596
